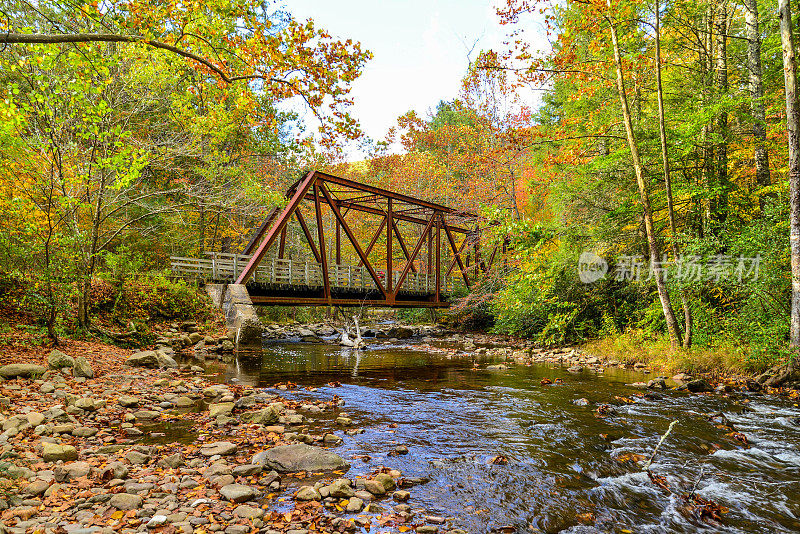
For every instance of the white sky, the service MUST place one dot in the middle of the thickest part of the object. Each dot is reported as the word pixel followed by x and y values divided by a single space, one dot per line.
pixel 420 50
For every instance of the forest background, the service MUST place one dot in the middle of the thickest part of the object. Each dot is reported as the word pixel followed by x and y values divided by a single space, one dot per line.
pixel 132 130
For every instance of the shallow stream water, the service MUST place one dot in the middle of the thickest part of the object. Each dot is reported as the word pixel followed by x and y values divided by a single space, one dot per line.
pixel 569 468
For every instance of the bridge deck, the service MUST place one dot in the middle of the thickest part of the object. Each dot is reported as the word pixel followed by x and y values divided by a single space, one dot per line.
pixel 284 281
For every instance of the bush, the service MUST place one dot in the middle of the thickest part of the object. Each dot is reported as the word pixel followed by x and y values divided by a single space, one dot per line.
pixel 151 296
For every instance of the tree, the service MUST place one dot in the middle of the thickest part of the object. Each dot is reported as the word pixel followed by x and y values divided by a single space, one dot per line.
pixel 756 83
pixel 246 43
pixel 793 138
pixel 655 253
pixel 127 138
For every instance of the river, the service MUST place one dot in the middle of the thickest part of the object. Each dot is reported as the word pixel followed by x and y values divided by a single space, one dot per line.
pixel 570 468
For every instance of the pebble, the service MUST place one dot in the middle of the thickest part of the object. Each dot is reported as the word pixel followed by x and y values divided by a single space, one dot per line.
pixel 157 521
pixel 355 504
pixel 307 493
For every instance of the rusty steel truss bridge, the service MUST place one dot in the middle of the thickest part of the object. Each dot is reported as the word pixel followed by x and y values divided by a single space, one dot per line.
pixel 290 261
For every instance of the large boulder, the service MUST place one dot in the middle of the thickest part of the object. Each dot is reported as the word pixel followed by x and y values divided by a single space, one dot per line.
pixel 146 358
pixel 21 370
pixel 165 360
pixel 82 368
pixel 57 360
pixel 300 457
pixel 151 359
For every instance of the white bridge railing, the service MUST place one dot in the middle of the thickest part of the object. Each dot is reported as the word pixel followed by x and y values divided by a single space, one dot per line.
pixel 221 267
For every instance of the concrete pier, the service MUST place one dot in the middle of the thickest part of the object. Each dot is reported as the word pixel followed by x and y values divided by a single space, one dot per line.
pixel 240 314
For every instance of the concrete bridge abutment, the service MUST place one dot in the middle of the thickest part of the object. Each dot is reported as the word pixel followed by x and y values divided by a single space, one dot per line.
pixel 240 313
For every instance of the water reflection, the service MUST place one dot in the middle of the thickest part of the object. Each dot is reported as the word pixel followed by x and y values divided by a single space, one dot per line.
pixel 569 466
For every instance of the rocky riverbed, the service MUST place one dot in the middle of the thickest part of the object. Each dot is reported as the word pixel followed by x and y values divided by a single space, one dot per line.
pixel 102 440
pixel 119 442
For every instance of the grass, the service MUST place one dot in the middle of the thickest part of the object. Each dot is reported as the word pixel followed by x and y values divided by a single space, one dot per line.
pixel 637 346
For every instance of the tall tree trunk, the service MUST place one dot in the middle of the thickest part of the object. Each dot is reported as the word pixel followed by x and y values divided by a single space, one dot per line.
pixel 721 45
pixel 793 135
pixel 757 96
pixel 662 133
pixel 655 253
pixel 84 300
pixel 708 178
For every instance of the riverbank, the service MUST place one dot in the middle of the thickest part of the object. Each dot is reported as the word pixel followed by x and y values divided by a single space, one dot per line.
pixel 178 448
pixel 98 439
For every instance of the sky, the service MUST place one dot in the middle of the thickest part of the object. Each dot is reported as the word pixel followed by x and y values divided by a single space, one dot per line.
pixel 421 50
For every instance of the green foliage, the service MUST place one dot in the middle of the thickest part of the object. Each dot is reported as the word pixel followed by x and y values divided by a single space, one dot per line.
pixel 151 296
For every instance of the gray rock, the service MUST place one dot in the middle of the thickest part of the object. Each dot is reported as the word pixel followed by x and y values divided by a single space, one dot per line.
pixel 340 488
pixel 307 493
pixel 115 470
pixel 222 448
pixel 128 401
pixel 223 480
pixel 248 512
pixel 386 480
pixel 184 402
pixel 221 408
pixel 262 417
pixel 137 458
pixel 355 505
pixel 165 360
pixel 21 370
pixel 332 439
pixel 82 368
pixel 400 332
pixel 35 418
pixel 36 488
pixel 52 452
pixel 71 471
pixel 247 470
pixel 657 383
pixel 88 404
pixel 300 457
pixel 157 521
pixel 375 487
pixel 401 496
pixel 57 360
pixel 238 493
pixel 126 501
pixel 84 432
pixel 216 470
pixel 145 358
pixel 173 461
pixel 698 386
